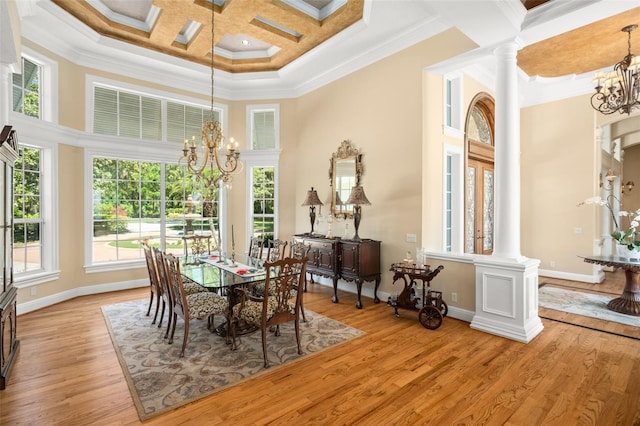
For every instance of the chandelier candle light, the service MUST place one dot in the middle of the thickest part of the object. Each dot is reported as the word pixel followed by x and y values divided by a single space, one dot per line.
pixel 203 160
pixel 620 89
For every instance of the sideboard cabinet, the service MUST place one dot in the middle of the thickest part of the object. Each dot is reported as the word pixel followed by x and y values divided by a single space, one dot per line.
pixel 350 260
pixel 9 342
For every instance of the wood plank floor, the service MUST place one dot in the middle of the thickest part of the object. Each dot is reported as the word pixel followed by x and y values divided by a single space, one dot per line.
pixel 399 373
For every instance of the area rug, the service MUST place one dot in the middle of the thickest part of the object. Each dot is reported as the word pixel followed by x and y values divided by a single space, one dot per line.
pixel 159 380
pixel 580 303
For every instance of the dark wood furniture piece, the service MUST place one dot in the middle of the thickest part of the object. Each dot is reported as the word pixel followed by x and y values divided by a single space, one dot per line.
pixel 629 301
pixel 431 308
pixel 9 343
pixel 284 282
pixel 350 260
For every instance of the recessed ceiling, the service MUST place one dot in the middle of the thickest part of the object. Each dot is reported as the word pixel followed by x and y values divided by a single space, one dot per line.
pixel 249 35
pixel 267 35
pixel 585 49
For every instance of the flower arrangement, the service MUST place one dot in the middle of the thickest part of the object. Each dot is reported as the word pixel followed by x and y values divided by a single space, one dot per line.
pixel 629 237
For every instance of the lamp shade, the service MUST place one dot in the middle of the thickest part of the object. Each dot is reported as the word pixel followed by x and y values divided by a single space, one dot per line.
pixel 312 198
pixel 338 200
pixel 357 196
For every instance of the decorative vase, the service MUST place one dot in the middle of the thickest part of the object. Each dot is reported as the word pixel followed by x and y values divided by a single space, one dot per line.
pixel 623 251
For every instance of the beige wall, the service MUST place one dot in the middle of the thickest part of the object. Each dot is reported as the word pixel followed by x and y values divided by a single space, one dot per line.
pixel 558 159
pixel 381 109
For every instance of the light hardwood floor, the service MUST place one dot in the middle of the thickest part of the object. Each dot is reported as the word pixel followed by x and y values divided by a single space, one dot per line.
pixel 67 373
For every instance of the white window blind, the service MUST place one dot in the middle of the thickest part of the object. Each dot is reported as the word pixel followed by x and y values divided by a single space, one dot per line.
pixel 263 130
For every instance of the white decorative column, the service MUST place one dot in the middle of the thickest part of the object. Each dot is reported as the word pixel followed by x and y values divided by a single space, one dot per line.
pixel 507 282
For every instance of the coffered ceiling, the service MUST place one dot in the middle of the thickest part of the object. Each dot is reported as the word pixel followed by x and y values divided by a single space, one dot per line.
pixel 249 35
pixel 267 35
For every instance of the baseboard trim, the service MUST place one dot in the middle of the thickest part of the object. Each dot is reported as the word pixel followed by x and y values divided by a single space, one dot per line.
pixel 43 302
pixel 597 277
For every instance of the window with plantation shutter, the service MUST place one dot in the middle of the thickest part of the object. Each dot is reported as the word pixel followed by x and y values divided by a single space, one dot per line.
pixel 26 90
pixel 137 116
pixel 263 123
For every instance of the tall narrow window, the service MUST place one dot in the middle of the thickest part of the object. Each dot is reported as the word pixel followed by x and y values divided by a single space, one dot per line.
pixel 26 90
pixel 452 107
pixel 448 227
pixel 263 124
pixel 28 220
pixel 264 202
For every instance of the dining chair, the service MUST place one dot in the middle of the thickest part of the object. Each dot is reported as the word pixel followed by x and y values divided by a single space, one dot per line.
pixel 284 277
pixel 300 250
pixel 255 247
pixel 167 292
pixel 190 306
pixel 154 283
pixel 276 250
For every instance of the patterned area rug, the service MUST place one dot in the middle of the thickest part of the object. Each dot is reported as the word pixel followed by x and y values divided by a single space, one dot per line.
pixel 585 304
pixel 159 380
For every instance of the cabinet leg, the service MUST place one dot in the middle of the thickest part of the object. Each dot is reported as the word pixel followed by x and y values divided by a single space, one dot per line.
pixel 359 287
pixel 375 291
pixel 335 291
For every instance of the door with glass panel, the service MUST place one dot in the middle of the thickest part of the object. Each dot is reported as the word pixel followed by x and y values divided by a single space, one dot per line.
pixel 480 189
pixel 479 178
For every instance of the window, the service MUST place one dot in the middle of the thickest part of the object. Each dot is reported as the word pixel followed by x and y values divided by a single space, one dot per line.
pixel 26 89
pixel 453 105
pixel 263 197
pixel 453 199
pixel 136 201
pixel 263 122
pixel 28 221
pixel 140 116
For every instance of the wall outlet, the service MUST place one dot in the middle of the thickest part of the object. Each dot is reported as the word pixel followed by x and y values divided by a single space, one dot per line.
pixel 552 263
pixel 33 291
pixel 411 238
pixel 454 297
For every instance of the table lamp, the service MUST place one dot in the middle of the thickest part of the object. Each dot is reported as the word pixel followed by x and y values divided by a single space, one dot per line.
pixel 357 198
pixel 312 201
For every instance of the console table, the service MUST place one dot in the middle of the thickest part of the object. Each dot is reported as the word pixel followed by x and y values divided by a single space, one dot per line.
pixel 351 260
pixel 629 302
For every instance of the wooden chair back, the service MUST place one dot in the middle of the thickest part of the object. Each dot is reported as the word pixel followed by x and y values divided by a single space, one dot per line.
pixel 167 292
pixel 299 249
pixel 174 279
pixel 156 288
pixel 276 250
pixel 284 278
pixel 255 247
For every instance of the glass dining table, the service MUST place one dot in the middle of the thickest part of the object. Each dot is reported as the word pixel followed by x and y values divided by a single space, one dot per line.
pixel 218 275
pixel 221 276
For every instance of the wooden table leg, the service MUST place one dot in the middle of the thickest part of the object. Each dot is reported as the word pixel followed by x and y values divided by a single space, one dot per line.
pixel 629 302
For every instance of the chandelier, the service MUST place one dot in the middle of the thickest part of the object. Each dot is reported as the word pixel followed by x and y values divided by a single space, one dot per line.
pixel 620 89
pixel 204 160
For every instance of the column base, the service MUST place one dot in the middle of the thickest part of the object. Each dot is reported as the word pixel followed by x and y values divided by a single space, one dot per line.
pixel 507 298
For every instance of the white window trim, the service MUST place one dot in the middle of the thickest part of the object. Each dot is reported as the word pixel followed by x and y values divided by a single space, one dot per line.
pixel 91 81
pixel 457 197
pixel 455 130
pixel 263 158
pixel 48 209
pixel 251 109
pixel 48 84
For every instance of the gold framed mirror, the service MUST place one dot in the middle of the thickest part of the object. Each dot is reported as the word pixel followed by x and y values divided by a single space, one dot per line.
pixel 345 171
